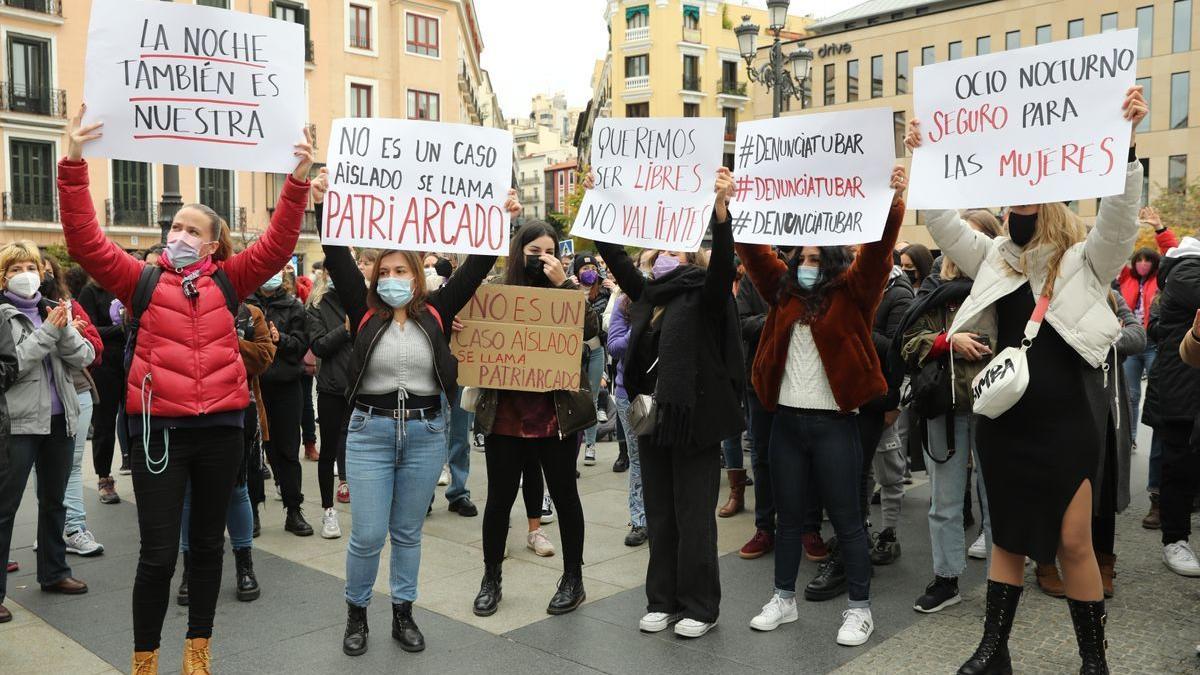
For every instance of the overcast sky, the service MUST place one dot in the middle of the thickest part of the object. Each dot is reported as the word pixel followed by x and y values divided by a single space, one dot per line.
pixel 545 46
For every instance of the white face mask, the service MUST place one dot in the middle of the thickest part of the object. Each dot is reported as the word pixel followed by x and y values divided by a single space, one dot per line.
pixel 25 284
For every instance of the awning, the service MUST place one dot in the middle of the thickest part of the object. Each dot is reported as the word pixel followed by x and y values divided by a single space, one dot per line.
pixel 692 11
pixel 631 12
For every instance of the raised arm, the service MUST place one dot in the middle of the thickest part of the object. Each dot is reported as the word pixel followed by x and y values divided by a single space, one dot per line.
pixel 348 280
pixel 261 260
pixel 106 262
pixel 718 283
pixel 460 287
pixel 1110 242
pixel 621 266
pixel 868 274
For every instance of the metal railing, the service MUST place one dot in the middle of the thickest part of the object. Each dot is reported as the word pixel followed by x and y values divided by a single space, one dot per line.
pixel 34 101
pixel 733 88
pixel 52 7
pixel 691 82
pixel 310 52
pixel 41 212
pixel 129 216
pixel 309 225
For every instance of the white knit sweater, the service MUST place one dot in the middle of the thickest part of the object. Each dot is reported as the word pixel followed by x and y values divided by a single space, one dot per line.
pixel 805 384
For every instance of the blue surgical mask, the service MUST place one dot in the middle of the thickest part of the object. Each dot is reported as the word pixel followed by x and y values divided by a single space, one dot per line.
pixel 394 291
pixel 807 276
pixel 664 265
pixel 271 285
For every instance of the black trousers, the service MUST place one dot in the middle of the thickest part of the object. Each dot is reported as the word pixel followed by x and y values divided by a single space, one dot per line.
pixel 1180 475
pixel 284 408
pixel 252 446
pixel 210 458
pixel 333 413
pixel 680 486
pixel 507 457
pixel 308 417
pixel 870 430
pixel 110 386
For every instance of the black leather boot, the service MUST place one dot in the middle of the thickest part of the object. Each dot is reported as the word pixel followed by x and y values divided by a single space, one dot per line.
pixel 181 598
pixel 247 583
pixel 488 600
pixel 621 465
pixel 404 629
pixel 570 594
pixel 991 656
pixel 830 581
pixel 296 524
pixel 354 643
pixel 1089 619
pixel 257 525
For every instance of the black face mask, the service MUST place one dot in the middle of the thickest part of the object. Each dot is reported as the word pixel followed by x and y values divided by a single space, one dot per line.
pixel 49 289
pixel 912 276
pixel 1021 228
pixel 535 272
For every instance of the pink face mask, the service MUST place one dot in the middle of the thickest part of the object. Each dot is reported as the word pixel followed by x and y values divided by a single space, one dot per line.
pixel 183 249
pixel 1143 267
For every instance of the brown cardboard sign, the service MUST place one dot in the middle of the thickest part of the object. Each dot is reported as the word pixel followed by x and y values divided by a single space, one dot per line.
pixel 520 338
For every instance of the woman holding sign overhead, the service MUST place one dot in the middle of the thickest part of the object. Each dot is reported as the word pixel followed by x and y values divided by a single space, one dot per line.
pixel 186 391
pixel 1039 449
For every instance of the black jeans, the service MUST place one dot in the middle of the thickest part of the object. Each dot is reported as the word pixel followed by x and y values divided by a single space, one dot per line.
pixel 308 417
pixel 507 458
pixel 1180 475
pixel 680 486
pixel 760 461
pixel 284 408
pixel 209 457
pixel 53 454
pixel 252 446
pixel 823 449
pixel 110 387
pixel 333 412
pixel 870 429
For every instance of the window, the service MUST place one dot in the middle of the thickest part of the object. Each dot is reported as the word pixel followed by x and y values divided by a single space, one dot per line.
pixel 1145 180
pixel 223 4
pixel 901 73
pixel 1043 35
pixel 729 78
pixel 360 100
pixel 1181 37
pixel 898 131
pixel 637 66
pixel 852 80
pixel 423 105
pixel 730 115
pixel 955 50
pixel 983 45
pixel 216 191
pixel 876 76
pixel 422 36
pixel 637 109
pixel 293 12
pixel 1012 40
pixel 1145 27
pixel 1108 22
pixel 830 83
pixel 691 109
pixel 637 17
pixel 1179 100
pixel 1145 83
pixel 691 73
pixel 130 193
pixel 360 27
pixel 928 56
pixel 29 75
pixel 32 174
pixel 691 17
pixel 1074 28
pixel 1177 173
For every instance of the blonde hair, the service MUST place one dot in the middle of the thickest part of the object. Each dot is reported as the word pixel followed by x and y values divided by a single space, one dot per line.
pixel 319 289
pixel 18 252
pixel 1058 228
pixel 985 223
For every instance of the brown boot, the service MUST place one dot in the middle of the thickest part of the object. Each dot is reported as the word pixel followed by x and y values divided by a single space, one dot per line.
pixel 196 658
pixel 1108 563
pixel 310 451
pixel 1050 582
pixel 145 663
pixel 737 494
pixel 1152 521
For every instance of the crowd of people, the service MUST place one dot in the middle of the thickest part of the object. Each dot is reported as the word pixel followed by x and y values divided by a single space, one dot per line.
pixel 201 363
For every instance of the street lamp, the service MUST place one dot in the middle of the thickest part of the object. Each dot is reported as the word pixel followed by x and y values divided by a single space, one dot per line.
pixel 783 74
pixel 171 201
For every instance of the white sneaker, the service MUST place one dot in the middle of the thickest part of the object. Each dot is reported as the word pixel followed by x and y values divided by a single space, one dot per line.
pixel 547 510
pixel 539 543
pixel 656 622
pixel 83 543
pixel 857 627
pixel 601 416
pixel 444 479
pixel 589 455
pixel 978 550
pixel 278 493
pixel 691 628
pixel 777 610
pixel 330 528
pixel 1180 559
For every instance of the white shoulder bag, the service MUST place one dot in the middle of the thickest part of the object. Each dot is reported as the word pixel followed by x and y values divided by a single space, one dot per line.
pixel 1002 383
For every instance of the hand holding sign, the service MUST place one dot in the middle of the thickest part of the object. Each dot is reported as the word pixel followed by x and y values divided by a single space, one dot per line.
pixel 320 185
pixel 304 151
pixel 898 182
pixel 512 205
pixel 1135 109
pixel 724 190
pixel 78 134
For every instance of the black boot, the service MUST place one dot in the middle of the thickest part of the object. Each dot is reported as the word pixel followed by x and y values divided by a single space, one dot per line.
pixel 570 594
pixel 991 656
pixel 247 583
pixel 488 600
pixel 622 463
pixel 1089 619
pixel 182 597
pixel 296 524
pixel 354 643
pixel 830 581
pixel 404 629
pixel 257 525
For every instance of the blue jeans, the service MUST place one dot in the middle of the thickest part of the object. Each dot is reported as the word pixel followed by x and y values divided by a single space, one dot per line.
pixel 393 469
pixel 73 499
pixel 826 447
pixel 1135 366
pixel 731 448
pixel 595 369
pixel 637 504
pixel 458 440
pixel 948 483
pixel 239 519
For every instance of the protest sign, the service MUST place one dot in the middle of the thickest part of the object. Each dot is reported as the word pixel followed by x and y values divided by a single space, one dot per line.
pixel 185 84
pixel 520 338
pixel 654 182
pixel 1027 126
pixel 417 185
pixel 814 180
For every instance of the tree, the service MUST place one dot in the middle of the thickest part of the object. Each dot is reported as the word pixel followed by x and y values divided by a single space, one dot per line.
pixel 59 253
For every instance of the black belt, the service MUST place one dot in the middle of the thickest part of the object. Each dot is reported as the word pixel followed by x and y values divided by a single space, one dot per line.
pixel 399 414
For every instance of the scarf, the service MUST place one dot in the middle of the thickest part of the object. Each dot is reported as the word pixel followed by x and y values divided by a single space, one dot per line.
pixel 678 294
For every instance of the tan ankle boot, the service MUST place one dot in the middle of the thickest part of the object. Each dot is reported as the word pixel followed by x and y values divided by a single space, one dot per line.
pixel 196 657
pixel 145 663
pixel 1050 582
pixel 1108 564
pixel 737 494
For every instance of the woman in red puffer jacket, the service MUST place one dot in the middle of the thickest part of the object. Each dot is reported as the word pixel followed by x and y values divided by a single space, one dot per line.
pixel 186 389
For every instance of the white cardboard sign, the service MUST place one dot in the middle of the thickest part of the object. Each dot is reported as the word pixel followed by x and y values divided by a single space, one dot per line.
pixel 1028 126
pixel 194 85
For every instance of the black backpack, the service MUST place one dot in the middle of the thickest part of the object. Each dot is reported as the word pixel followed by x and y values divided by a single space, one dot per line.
pixel 144 291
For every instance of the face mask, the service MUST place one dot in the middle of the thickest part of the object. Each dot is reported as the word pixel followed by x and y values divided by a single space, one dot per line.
pixel 588 277
pixel 25 284
pixel 1021 228
pixel 395 292
pixel 664 265
pixel 807 276
pixel 912 275
pixel 183 249
pixel 430 272
pixel 270 285
pixel 535 269
pixel 1143 268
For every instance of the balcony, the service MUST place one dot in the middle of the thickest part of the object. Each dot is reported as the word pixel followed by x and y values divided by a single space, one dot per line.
pixel 43 212
pixel 39 101
pixel 125 215
pixel 637 34
pixel 691 35
pixel 637 83
pixel 308 226
pixel 51 7
pixel 691 82
pixel 310 52
pixel 732 88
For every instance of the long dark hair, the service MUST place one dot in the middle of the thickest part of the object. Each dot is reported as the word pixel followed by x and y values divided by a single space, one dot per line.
pixel 834 262
pixel 514 274
pixel 921 259
pixel 1148 254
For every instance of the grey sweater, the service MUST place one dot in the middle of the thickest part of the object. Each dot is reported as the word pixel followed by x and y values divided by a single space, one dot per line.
pixel 402 360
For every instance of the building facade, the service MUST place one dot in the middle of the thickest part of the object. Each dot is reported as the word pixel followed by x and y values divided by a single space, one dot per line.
pixel 561 180
pixel 864 57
